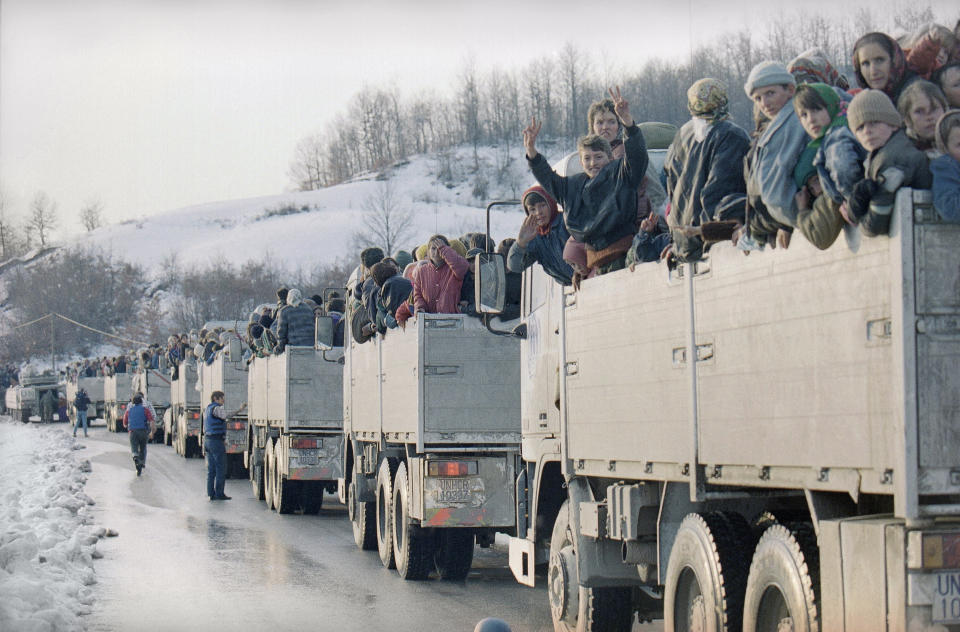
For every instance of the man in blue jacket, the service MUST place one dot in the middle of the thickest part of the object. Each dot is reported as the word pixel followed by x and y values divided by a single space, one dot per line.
pixel 139 421
pixel 214 431
pixel 80 402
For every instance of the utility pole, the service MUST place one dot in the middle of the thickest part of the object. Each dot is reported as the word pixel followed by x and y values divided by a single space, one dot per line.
pixel 53 342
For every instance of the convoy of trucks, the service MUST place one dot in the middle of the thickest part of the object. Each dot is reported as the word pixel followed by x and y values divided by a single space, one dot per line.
pixel 23 400
pixel 760 443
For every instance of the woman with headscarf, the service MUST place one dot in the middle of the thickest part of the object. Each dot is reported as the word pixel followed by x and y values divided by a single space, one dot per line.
pixel 705 164
pixel 880 64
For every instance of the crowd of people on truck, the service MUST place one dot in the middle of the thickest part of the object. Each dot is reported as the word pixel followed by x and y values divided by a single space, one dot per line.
pixel 822 157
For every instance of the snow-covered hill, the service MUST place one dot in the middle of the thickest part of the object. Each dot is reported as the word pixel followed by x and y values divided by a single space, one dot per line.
pixel 322 225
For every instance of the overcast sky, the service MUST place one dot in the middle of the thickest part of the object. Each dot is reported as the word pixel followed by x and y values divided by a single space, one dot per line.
pixel 155 105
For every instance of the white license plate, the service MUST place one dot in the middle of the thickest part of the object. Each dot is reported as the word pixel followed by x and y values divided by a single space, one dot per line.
pixel 305 461
pixel 946 597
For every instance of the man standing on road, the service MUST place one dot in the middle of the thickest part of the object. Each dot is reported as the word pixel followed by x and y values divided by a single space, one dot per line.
pixel 214 430
pixel 80 403
pixel 139 421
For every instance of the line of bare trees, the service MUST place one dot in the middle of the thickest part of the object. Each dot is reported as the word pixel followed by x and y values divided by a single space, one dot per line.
pixel 21 233
pixel 380 126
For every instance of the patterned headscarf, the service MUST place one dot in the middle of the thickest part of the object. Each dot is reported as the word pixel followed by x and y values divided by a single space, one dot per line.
pixel 812 66
pixel 707 99
pixel 898 63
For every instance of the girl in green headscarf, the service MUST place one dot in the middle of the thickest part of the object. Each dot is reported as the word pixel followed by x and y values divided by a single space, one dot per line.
pixel 833 155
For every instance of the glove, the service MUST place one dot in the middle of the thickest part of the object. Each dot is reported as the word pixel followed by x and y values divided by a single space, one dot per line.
pixel 859 202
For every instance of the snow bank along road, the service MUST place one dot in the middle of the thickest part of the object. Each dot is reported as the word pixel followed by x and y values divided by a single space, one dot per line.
pixel 47 537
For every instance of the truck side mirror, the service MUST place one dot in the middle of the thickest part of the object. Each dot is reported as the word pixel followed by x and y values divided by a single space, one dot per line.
pixel 324 333
pixel 490 284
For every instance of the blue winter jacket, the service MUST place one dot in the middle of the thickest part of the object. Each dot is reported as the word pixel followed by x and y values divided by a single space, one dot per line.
pixel 946 187
pixel 137 418
pixel 213 424
pixel 547 250
pixel 839 163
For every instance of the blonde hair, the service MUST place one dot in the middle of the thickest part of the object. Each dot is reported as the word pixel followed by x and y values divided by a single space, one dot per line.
pixel 912 93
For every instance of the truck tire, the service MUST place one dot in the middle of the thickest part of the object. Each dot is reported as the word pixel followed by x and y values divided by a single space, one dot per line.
pixel 573 607
pixel 256 475
pixel 384 502
pixel 287 494
pixel 311 497
pixel 362 518
pixel 454 554
pixel 412 545
pixel 268 474
pixel 706 575
pixel 784 581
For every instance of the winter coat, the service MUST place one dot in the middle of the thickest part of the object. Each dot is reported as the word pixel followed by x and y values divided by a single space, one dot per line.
pixel 821 224
pixel 436 290
pixel 599 211
pixel 547 250
pixel 946 187
pixel 137 417
pixel 898 164
pixel 839 163
pixel 81 401
pixel 296 327
pixel 704 163
pixel 770 180
pixel 394 293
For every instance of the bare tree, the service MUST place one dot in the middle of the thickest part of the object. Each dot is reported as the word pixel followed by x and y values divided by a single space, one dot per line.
pixel 43 216
pixel 91 214
pixel 468 102
pixel 8 239
pixel 386 223
pixel 574 66
pixel 306 168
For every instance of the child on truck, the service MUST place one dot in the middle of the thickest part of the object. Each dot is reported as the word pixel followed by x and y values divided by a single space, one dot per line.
pixel 893 162
pixel 946 168
pixel 600 204
pixel 835 166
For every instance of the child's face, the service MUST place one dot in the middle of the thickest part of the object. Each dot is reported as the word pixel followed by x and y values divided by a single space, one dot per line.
pixel 874 65
pixel 814 121
pixel 593 160
pixel 813 186
pixel 950 82
pixel 540 212
pixel 922 117
pixel 771 99
pixel 874 134
pixel 605 124
pixel 953 143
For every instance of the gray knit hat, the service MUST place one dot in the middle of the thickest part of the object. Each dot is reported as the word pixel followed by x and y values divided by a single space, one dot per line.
pixel 872 105
pixel 768 73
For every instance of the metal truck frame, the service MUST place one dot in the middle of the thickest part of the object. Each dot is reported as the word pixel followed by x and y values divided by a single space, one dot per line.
pixel 228 373
pixel 431 427
pixel 155 387
pixel 23 401
pixel 117 391
pixel 94 387
pixel 182 422
pixel 760 443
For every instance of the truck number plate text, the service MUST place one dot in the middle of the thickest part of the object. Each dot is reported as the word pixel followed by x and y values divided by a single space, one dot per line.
pixel 946 597
pixel 453 490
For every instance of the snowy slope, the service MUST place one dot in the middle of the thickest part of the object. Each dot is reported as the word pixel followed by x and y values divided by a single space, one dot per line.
pixel 237 230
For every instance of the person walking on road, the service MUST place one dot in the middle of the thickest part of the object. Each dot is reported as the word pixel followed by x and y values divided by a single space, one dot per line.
pixel 214 430
pixel 80 403
pixel 48 404
pixel 140 422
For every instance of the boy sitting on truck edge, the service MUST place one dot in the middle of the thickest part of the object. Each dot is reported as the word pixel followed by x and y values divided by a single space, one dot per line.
pixel 893 162
pixel 436 283
pixel 946 168
pixel 771 161
pixel 836 164
pixel 541 237
pixel 600 204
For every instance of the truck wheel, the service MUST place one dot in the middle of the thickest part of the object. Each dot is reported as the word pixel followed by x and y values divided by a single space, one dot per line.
pixel 784 581
pixel 268 474
pixel 362 517
pixel 454 554
pixel 384 502
pixel 287 494
pixel 573 607
pixel 256 475
pixel 311 497
pixel 706 575
pixel 412 545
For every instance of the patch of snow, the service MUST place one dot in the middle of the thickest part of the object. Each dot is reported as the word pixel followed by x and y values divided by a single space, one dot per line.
pixel 47 541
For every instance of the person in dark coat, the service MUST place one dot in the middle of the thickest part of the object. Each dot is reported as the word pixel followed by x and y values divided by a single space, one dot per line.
pixel 600 204
pixel 295 324
pixel 541 238
pixel 704 164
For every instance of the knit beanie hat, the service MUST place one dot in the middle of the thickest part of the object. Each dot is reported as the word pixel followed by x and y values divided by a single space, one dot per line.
pixel 458 247
pixel 294 297
pixel 768 73
pixel 402 257
pixel 869 106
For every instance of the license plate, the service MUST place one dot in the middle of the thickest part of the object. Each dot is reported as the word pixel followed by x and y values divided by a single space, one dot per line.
pixel 946 597
pixel 305 461
pixel 452 490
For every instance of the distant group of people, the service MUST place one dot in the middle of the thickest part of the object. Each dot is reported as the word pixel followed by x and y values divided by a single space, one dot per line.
pixel 290 322
pixel 436 277
pixel 821 156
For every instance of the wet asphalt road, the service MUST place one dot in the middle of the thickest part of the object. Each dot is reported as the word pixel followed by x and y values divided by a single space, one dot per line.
pixel 181 562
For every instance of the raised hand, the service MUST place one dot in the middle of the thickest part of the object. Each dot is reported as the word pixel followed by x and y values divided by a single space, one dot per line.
pixel 530 133
pixel 528 230
pixel 620 106
pixel 649 223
